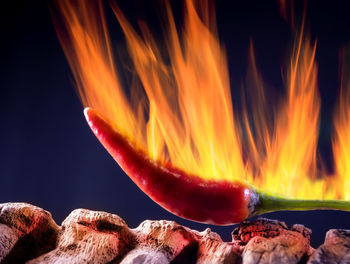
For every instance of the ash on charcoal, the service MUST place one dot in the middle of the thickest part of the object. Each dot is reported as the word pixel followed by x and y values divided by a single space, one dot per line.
pixel 336 248
pixel 271 241
pixel 26 231
pixel 29 235
pixel 90 237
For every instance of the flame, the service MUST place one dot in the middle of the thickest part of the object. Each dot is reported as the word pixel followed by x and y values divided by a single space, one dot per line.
pixel 177 103
pixel 341 141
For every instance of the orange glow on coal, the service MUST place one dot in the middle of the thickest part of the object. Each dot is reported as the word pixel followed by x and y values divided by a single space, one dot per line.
pixel 178 106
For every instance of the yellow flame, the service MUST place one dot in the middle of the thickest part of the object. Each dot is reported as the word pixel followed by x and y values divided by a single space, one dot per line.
pixel 178 106
pixel 289 165
pixel 341 142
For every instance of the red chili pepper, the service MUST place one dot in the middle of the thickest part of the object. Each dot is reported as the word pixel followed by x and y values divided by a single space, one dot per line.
pixel 189 196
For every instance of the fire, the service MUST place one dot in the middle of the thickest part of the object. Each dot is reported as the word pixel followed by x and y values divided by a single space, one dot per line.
pixel 178 107
pixel 341 142
pixel 289 167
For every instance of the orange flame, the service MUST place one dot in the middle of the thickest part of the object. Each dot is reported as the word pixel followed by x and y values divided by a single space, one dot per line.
pixel 341 142
pixel 179 106
pixel 289 167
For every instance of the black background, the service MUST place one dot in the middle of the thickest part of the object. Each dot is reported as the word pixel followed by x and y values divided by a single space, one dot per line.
pixel 50 158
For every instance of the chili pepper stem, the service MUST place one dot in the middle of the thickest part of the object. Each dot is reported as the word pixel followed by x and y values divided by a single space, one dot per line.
pixel 270 203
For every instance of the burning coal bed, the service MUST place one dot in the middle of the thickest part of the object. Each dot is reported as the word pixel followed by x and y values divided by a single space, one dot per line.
pixel 29 235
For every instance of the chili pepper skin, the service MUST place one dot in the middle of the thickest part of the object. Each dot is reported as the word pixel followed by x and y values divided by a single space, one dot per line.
pixel 187 196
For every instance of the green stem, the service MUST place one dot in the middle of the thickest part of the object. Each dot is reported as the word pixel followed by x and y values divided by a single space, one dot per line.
pixel 269 203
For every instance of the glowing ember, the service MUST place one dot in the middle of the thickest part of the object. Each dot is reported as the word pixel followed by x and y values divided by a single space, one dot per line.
pixel 181 110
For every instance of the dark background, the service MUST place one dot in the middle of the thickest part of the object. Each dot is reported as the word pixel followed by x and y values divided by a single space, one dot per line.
pixel 50 158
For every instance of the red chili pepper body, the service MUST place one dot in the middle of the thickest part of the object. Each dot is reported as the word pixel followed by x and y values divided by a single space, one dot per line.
pixel 187 196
